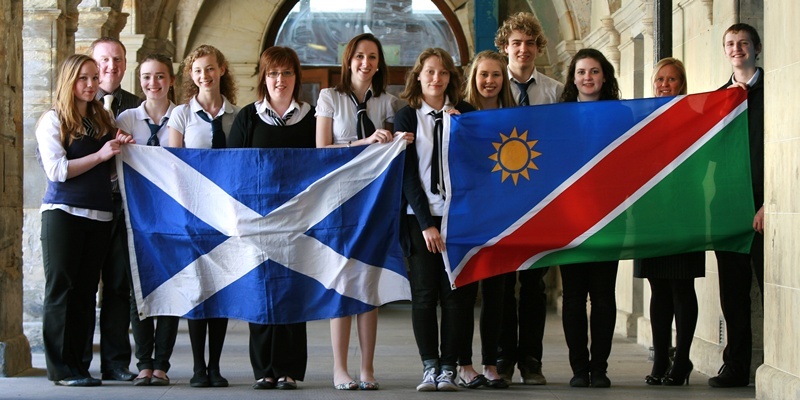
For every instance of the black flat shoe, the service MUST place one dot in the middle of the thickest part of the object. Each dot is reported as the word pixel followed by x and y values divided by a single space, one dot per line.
pixel 475 383
pixel 145 381
pixel 215 379
pixel 79 381
pixel 600 379
pixel 728 377
pixel 118 374
pixel 496 383
pixel 284 384
pixel 200 380
pixel 263 384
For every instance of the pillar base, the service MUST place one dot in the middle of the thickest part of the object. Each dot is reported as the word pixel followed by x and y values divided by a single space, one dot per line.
pixel 773 383
pixel 15 356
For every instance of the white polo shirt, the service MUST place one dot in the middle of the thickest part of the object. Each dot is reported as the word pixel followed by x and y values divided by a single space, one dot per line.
pixel 135 121
pixel 341 109
pixel 197 132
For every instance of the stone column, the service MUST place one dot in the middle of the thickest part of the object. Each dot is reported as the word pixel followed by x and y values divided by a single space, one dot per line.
pixel 94 22
pixel 779 376
pixel 44 31
pixel 15 352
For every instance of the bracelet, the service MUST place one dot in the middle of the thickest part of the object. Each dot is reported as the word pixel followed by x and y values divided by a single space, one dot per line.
pixel 349 143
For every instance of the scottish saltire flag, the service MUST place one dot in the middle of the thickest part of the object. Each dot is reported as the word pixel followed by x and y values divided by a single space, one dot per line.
pixel 272 236
pixel 607 180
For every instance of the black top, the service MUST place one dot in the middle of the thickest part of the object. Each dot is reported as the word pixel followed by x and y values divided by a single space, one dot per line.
pixel 413 193
pixel 249 130
pixel 755 121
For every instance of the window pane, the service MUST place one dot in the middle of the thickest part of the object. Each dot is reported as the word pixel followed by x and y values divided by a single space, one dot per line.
pixel 318 30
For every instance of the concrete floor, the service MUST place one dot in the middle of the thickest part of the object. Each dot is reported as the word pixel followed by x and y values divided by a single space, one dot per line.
pixel 397 368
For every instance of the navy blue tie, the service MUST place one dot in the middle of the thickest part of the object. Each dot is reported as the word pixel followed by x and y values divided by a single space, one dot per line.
pixel 364 125
pixel 153 140
pixel 523 93
pixel 217 134
pixel 437 172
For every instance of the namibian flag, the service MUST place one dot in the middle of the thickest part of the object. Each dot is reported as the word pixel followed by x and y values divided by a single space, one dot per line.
pixel 607 180
pixel 272 236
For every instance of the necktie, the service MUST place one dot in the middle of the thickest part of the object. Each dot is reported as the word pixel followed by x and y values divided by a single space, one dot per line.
pixel 217 134
pixel 108 103
pixel 437 171
pixel 365 126
pixel 523 93
pixel 278 120
pixel 88 128
pixel 153 140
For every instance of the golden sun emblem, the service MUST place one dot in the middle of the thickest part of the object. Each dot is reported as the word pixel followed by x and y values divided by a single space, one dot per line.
pixel 514 156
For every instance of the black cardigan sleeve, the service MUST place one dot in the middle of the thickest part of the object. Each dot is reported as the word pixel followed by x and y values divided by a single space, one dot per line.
pixel 406 121
pixel 241 127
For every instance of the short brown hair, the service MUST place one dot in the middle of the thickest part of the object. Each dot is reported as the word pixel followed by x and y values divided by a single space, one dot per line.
pixel 108 39
pixel 274 57
pixel 413 91
pixel 524 22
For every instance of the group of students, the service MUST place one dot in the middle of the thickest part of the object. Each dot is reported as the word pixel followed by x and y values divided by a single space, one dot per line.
pixel 77 138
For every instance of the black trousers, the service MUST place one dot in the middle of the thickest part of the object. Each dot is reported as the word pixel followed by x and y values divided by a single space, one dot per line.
pixel 279 350
pixel 672 297
pixel 115 344
pixel 598 281
pixel 429 288
pixel 523 321
pixel 153 334
pixel 73 250
pixel 490 322
pixel 736 272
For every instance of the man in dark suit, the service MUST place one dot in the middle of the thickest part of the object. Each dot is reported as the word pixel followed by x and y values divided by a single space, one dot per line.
pixel 742 46
pixel 115 346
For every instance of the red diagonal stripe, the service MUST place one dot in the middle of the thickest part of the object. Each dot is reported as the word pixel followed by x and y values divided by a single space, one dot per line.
pixel 605 186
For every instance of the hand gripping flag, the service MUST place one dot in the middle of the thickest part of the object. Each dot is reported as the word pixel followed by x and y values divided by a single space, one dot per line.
pixel 606 180
pixel 271 236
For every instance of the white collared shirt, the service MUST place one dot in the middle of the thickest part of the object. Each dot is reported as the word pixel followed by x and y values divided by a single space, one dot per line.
pixel 424 143
pixel 54 161
pixel 542 90
pixel 752 80
pixel 301 110
pixel 135 121
pixel 340 108
pixel 197 132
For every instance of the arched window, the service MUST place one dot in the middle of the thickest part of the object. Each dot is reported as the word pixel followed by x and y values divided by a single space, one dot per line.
pixel 318 30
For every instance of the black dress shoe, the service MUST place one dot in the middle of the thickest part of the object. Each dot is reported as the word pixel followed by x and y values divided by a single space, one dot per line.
pixel 600 379
pixel 580 379
pixel 653 380
pixel 497 383
pixel 729 377
pixel 119 374
pixel 79 381
pixel 215 379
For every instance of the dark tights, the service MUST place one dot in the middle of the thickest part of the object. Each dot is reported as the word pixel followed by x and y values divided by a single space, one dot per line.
pixel 672 297
pixel 216 338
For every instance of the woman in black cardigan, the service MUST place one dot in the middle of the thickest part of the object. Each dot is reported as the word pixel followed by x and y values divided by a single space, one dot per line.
pixel 433 91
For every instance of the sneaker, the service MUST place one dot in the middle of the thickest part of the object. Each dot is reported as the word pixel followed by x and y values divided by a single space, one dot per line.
pixel 727 377
pixel 531 372
pixel 428 383
pixel 446 381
